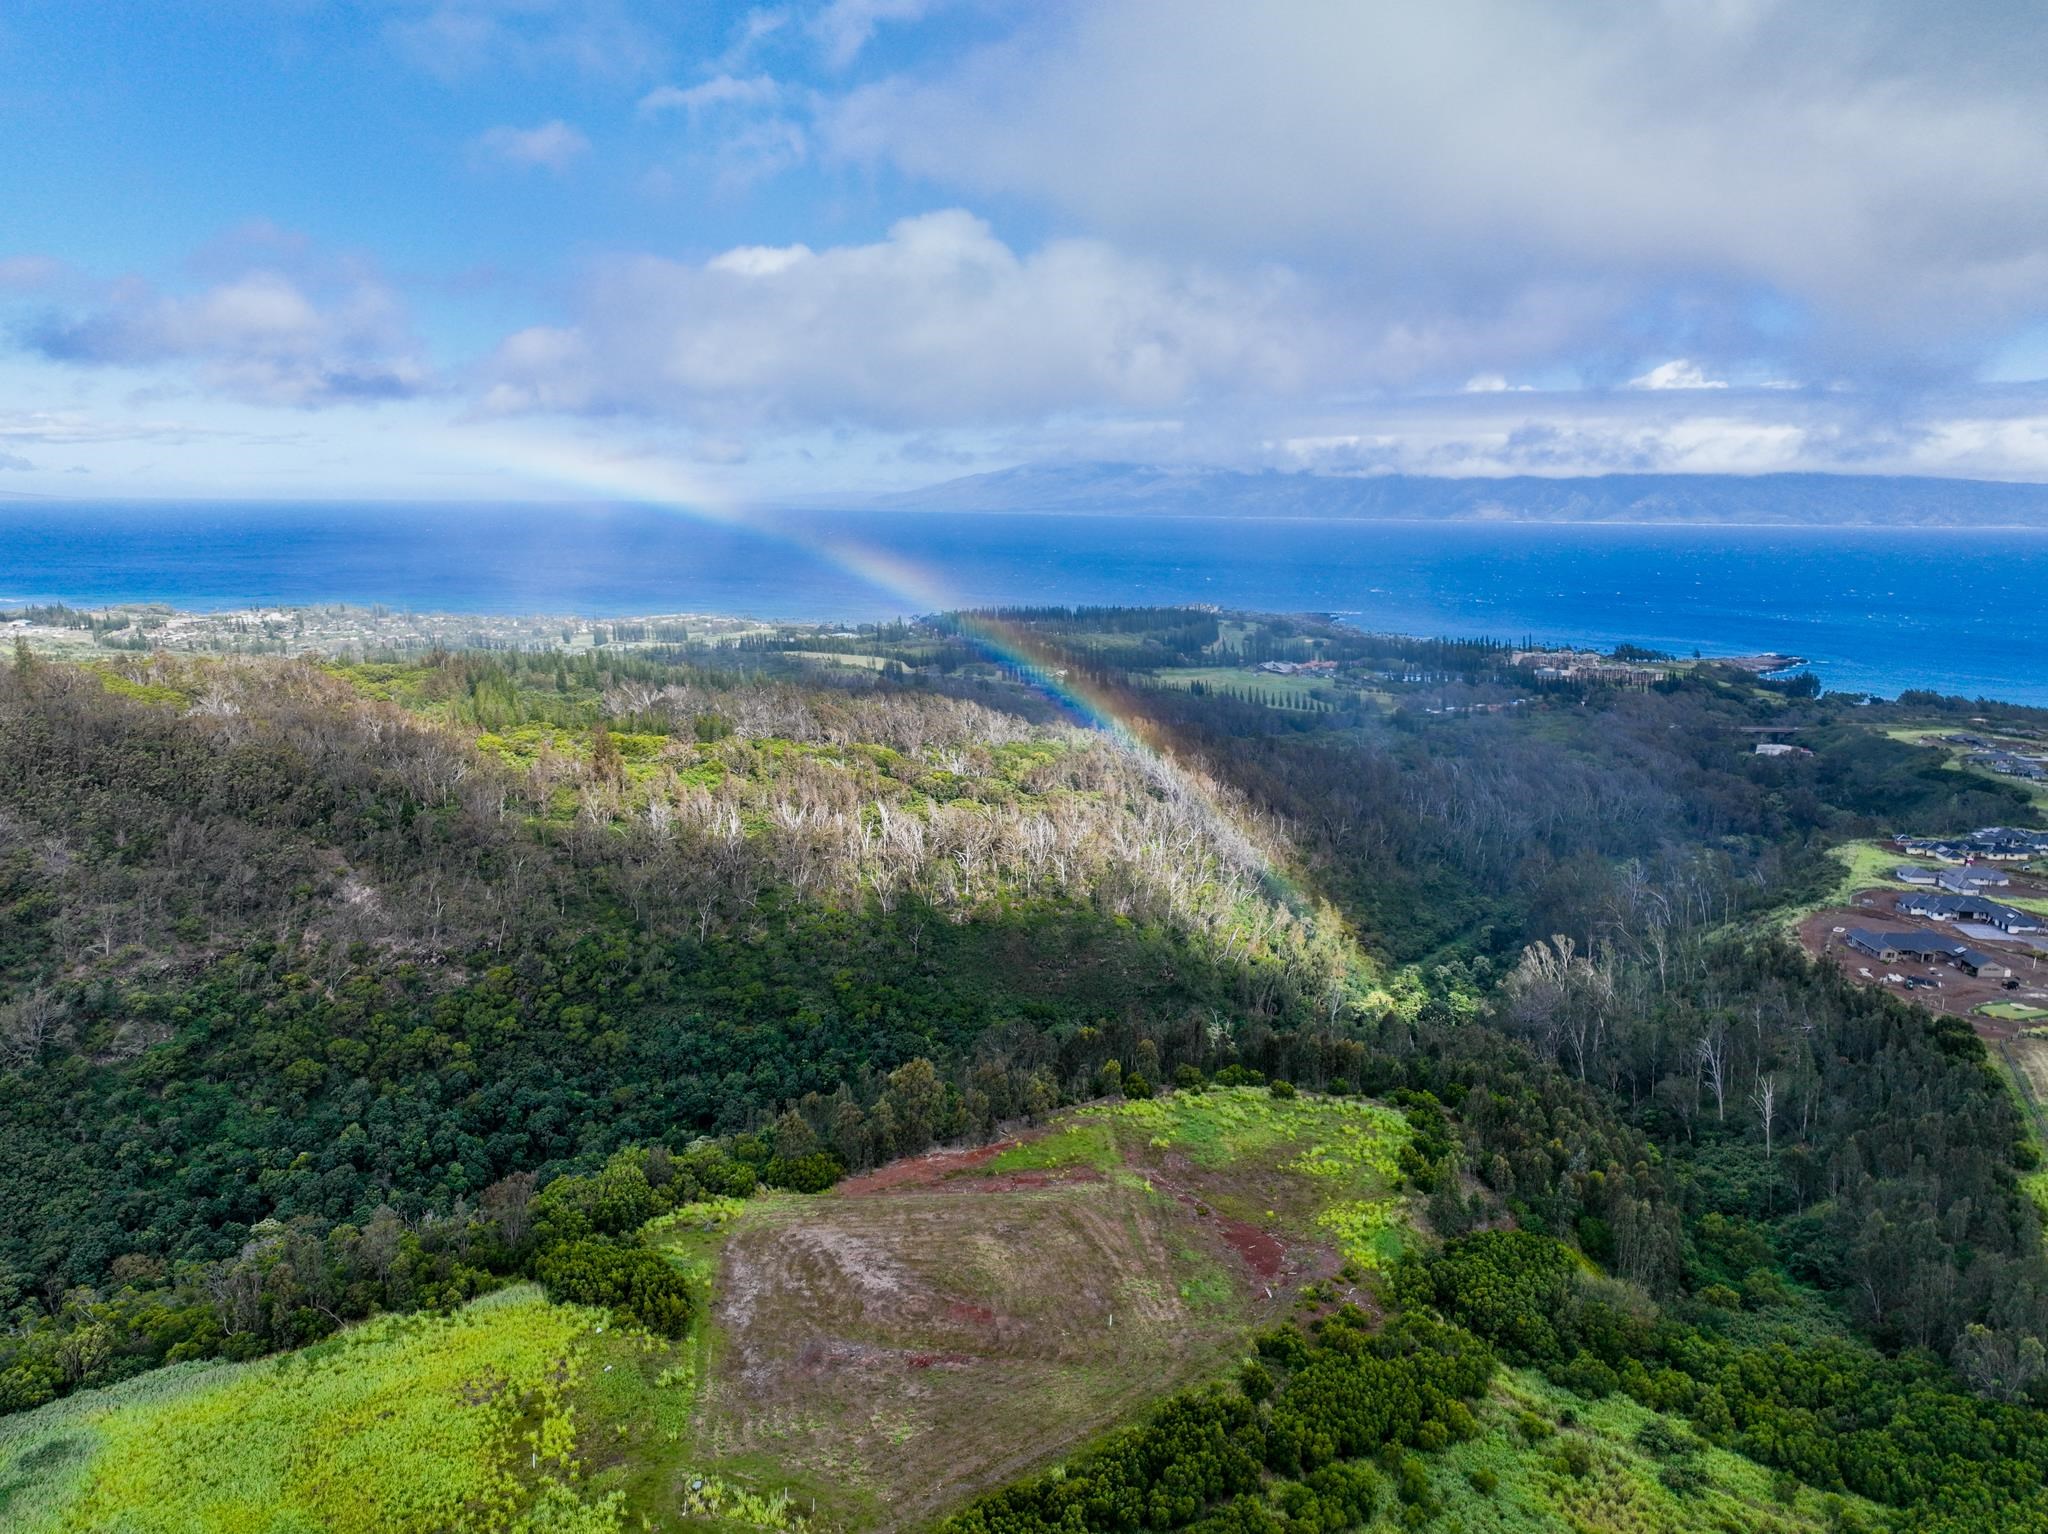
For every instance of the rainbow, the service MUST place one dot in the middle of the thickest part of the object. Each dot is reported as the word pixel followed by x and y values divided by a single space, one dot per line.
pixel 659 483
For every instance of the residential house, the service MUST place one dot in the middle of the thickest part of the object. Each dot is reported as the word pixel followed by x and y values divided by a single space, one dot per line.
pixel 1907 873
pixel 1970 880
pixel 1971 908
pixel 1921 947
pixel 1974 961
pixel 1946 907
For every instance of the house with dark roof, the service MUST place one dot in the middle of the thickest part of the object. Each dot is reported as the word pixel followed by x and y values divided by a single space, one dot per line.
pixel 1945 907
pixel 1921 947
pixel 1974 961
pixel 2012 919
pixel 1971 878
pixel 1973 907
pixel 1907 873
pixel 1877 944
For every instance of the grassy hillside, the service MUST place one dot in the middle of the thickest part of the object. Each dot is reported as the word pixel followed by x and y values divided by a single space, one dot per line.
pixel 865 1358
pixel 460 1421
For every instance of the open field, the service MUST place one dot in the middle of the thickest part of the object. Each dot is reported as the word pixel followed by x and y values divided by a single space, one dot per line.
pixel 949 1323
pixel 418 1423
pixel 1865 865
pixel 865 1358
pixel 1296 689
pixel 2015 1012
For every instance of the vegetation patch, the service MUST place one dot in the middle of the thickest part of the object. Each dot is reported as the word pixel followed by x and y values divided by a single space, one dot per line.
pixel 423 1423
pixel 1546 1458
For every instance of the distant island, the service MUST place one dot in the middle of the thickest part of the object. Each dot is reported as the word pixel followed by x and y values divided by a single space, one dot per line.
pixel 1789 500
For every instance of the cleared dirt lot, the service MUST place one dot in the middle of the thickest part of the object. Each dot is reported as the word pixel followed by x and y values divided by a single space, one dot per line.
pixel 1958 993
pixel 913 1345
pixel 947 1323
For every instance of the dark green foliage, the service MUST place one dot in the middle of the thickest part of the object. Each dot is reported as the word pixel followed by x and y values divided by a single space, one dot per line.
pixel 635 1281
pixel 1810 1402
pixel 1215 1460
pixel 803 1174
pixel 1506 1286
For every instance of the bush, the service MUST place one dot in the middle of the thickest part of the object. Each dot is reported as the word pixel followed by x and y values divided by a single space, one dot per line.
pixel 803 1174
pixel 633 1281
pixel 1137 1087
pixel 1684 1480
pixel 1282 1090
pixel 1188 1078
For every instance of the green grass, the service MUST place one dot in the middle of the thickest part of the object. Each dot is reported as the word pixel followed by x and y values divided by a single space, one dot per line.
pixel 1865 865
pixel 418 1423
pixel 2013 1011
pixel 1340 1156
pixel 1953 761
pixel 514 1416
pixel 1557 1461
pixel 1295 688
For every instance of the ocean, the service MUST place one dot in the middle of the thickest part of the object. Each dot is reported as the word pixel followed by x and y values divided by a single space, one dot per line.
pixel 1874 610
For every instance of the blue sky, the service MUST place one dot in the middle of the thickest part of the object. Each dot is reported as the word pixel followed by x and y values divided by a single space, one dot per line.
pixel 517 247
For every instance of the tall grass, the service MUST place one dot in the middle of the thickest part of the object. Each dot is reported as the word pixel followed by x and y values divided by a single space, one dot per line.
pixel 415 1423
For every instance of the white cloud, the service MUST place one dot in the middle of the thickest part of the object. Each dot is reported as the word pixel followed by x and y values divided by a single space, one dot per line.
pixel 14 461
pixel 941 323
pixel 453 39
pixel 1492 383
pixel 1876 168
pixel 845 27
pixel 313 337
pixel 1676 374
pixel 27 273
pixel 553 145
pixel 718 91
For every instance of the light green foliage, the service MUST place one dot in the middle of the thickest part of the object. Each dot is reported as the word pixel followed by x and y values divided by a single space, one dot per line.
pixel 1348 1150
pixel 1078 1142
pixel 1340 1139
pixel 708 1497
pixel 418 1423
pixel 1548 1459
pixel 1864 865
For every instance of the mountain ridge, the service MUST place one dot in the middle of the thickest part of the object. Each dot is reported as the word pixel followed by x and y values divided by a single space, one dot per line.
pixel 1817 500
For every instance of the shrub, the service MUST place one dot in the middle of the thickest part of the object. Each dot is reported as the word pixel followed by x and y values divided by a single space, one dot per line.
pixel 803 1174
pixel 633 1281
pixel 1282 1090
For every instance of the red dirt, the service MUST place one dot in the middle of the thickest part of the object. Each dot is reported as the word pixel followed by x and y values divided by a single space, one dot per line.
pixel 920 1171
pixel 945 1171
pixel 939 1360
pixel 1260 1249
pixel 980 1315
pixel 1959 994
pixel 1013 1182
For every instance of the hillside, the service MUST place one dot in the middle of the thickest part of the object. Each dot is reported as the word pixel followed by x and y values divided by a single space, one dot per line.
pixel 802 1078
pixel 1792 500
pixel 870 1357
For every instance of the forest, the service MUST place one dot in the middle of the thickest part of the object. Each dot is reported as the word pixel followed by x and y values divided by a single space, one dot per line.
pixel 332 988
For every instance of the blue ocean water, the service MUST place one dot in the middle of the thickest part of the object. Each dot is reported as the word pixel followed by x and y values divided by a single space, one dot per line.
pixel 1874 609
